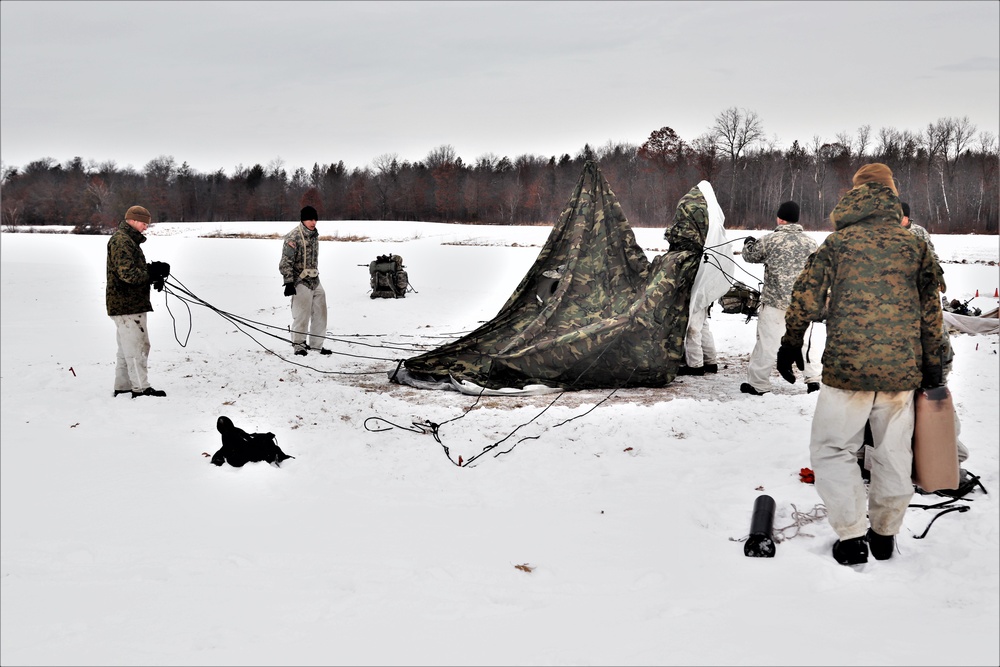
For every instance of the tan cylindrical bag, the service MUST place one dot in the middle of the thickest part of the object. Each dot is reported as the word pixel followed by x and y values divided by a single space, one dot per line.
pixel 935 449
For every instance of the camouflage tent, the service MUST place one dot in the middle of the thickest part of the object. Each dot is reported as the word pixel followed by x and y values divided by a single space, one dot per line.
pixel 592 312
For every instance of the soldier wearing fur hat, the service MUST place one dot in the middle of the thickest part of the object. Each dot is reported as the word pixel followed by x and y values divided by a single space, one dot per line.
pixel 129 278
pixel 299 268
pixel 877 285
pixel 783 253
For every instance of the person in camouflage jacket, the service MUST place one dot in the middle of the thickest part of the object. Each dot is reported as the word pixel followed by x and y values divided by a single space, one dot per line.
pixel 948 353
pixel 920 232
pixel 877 287
pixel 127 301
pixel 299 268
pixel 699 207
pixel 783 253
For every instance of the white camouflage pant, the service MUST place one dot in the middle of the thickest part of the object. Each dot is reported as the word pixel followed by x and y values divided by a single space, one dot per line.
pixel 699 344
pixel 770 329
pixel 133 352
pixel 308 316
pixel 838 431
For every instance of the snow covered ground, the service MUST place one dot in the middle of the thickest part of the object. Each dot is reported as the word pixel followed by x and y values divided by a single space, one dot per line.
pixel 610 539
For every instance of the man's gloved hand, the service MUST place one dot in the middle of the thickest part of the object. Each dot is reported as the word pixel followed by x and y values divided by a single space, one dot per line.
pixel 289 289
pixel 158 271
pixel 786 355
pixel 748 240
pixel 932 377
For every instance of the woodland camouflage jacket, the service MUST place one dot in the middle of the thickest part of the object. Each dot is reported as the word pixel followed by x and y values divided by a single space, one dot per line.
pixel 690 225
pixel 128 279
pixel 877 286
pixel 783 253
pixel 299 250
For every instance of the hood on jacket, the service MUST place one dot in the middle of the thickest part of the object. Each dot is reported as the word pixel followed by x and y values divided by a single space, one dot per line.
pixel 875 172
pixel 870 201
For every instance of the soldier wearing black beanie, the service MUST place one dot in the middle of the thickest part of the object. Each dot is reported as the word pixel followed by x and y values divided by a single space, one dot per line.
pixel 299 267
pixel 783 253
pixel 789 211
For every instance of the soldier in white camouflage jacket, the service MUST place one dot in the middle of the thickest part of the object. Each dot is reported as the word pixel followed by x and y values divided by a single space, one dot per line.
pixel 783 253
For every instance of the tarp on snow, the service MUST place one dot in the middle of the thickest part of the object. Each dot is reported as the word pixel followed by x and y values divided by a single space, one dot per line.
pixel 988 323
pixel 593 311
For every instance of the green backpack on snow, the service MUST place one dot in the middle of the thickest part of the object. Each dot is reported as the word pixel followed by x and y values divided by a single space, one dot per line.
pixel 388 278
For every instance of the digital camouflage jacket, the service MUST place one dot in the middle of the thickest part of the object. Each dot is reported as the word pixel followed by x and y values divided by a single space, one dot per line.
pixel 925 235
pixel 876 284
pixel 127 290
pixel 783 253
pixel 300 250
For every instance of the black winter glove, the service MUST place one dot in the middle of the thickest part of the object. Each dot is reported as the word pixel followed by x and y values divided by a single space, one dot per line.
pixel 289 289
pixel 932 377
pixel 748 240
pixel 158 270
pixel 786 355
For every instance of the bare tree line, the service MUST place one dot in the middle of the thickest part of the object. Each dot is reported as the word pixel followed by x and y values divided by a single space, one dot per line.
pixel 948 173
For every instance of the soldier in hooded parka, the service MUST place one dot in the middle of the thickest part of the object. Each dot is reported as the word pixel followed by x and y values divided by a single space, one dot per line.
pixel 877 285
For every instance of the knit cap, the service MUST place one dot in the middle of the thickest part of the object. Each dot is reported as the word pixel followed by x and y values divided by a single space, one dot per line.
pixel 138 213
pixel 789 211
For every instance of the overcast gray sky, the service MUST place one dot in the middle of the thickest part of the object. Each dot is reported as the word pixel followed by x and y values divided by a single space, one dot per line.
pixel 220 84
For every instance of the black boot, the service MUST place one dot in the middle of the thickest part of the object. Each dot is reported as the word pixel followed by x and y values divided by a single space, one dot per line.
pixel 882 546
pixel 747 388
pixel 851 552
pixel 688 370
pixel 149 391
pixel 711 368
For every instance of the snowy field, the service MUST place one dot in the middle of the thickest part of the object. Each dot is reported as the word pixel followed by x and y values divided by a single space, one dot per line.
pixel 609 539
